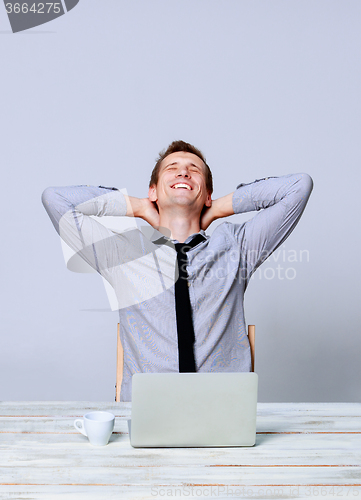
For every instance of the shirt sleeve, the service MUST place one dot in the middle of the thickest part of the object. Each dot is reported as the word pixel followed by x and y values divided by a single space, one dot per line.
pixel 70 208
pixel 281 202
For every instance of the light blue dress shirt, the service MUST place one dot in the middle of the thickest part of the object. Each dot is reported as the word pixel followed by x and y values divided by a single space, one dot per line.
pixel 142 271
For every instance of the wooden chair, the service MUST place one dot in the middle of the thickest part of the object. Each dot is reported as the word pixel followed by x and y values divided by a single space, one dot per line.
pixel 120 363
pixel 120 357
pixel 251 339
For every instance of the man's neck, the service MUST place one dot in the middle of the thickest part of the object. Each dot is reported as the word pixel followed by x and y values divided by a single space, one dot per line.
pixel 181 225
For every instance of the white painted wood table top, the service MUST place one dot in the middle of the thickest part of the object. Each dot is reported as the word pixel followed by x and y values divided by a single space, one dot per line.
pixel 303 450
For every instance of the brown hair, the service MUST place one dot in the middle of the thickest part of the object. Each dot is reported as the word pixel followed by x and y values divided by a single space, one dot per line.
pixel 186 148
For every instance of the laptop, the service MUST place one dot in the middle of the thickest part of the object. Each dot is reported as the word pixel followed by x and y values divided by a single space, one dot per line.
pixel 193 409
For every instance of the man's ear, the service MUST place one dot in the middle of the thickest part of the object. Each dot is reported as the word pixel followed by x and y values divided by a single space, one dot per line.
pixel 208 201
pixel 152 193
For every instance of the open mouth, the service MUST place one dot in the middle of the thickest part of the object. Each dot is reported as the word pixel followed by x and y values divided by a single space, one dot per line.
pixel 181 185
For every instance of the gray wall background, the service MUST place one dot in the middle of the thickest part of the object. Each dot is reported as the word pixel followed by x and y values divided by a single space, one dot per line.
pixel 263 88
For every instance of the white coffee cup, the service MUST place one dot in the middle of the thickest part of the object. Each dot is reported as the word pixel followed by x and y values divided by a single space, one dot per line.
pixel 97 426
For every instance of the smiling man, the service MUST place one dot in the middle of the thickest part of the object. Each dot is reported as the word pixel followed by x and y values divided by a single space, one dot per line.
pixel 180 292
pixel 178 192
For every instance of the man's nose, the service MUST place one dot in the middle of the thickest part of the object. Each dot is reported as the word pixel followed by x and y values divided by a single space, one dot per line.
pixel 183 172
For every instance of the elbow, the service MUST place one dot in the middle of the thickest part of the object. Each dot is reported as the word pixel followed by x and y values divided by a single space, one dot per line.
pixel 308 181
pixel 304 185
pixel 47 196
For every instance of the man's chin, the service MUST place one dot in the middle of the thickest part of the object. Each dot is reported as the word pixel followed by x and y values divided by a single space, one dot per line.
pixel 182 203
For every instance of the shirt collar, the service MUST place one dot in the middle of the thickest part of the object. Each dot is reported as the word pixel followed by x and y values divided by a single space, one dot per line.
pixel 163 240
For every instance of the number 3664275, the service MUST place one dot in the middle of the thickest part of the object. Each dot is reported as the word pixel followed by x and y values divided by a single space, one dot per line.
pixel 35 8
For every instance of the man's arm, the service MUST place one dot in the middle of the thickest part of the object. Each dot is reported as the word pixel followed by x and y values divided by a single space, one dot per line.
pixel 143 208
pixel 70 208
pixel 221 207
pixel 280 202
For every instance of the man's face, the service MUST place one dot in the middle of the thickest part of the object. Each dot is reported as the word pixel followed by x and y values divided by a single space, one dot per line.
pixel 181 182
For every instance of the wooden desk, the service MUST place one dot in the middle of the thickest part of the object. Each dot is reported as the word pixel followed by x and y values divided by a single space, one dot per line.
pixel 302 451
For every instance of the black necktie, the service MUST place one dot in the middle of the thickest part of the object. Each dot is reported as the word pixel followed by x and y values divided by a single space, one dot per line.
pixel 183 308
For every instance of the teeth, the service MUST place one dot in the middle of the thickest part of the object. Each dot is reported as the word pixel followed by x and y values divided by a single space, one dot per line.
pixel 176 186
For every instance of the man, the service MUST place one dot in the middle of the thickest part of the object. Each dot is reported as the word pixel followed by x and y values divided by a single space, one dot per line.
pixel 180 292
